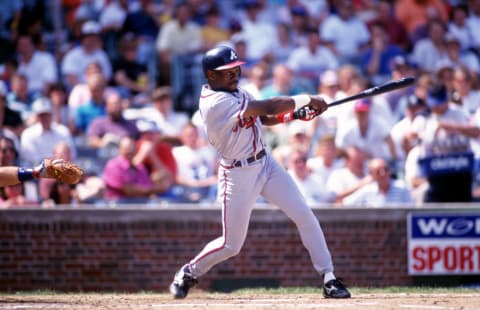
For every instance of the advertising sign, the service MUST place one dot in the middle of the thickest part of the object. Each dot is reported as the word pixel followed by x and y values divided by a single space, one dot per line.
pixel 443 243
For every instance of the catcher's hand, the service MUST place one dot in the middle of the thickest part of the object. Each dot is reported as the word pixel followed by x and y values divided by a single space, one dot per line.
pixel 61 170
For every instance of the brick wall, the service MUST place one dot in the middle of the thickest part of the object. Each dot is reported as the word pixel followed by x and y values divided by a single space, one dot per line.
pixel 140 249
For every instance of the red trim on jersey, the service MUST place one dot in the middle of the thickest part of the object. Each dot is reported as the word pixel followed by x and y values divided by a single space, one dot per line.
pixel 201 96
pixel 224 221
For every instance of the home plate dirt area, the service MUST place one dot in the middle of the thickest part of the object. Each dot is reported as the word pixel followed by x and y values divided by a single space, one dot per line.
pixel 200 301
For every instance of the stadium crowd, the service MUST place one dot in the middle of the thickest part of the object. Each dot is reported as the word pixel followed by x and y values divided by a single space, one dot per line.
pixel 113 86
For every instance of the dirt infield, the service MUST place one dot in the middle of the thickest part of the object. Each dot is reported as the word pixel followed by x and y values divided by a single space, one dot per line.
pixel 201 301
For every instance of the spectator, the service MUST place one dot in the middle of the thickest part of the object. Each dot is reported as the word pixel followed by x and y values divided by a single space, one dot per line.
pixel 281 84
pixel 156 155
pixel 446 160
pixel 284 44
pixel 309 184
pixel 108 130
pixel 346 74
pixel 61 194
pixel 456 57
pixel 179 36
pixel 212 32
pixel 458 27
pixel 297 139
pixel 39 67
pixel 143 24
pixel 308 61
pixel 345 34
pixel 95 107
pixel 405 132
pixel 367 133
pixel 378 56
pixel 383 191
pixel 14 196
pixel 19 98
pixel 196 166
pixel 80 93
pixel 429 51
pixel 395 30
pixel 126 181
pixel 161 112
pixel 256 80
pixel 325 158
pixel 8 152
pixel 299 23
pixel 111 20
pixel 349 178
pixel 464 94
pixel 414 14
pixel 57 93
pixel 11 123
pixel 129 76
pixel 38 140
pixel 76 60
pixel 260 36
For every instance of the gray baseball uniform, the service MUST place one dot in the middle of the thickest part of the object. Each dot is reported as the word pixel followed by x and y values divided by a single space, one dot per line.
pixel 244 176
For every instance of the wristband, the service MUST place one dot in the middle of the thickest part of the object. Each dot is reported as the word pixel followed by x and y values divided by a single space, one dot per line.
pixel 301 101
pixel 26 174
pixel 285 117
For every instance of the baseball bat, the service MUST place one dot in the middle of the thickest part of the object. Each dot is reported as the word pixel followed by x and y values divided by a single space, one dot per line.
pixel 376 90
pixel 373 91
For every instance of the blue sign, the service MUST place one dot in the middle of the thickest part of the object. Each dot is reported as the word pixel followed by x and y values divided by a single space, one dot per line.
pixel 447 164
pixel 438 226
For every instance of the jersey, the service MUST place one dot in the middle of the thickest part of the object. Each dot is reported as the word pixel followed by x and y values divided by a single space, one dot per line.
pixel 234 136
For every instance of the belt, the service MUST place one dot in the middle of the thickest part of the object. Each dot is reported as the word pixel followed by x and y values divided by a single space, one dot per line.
pixel 250 160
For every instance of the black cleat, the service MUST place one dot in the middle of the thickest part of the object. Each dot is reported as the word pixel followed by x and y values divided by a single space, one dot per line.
pixel 335 289
pixel 182 282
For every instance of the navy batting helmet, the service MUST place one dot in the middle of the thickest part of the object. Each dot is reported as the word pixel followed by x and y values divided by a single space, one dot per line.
pixel 220 58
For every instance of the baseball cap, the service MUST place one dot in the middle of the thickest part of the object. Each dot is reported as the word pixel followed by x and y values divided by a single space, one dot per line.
pixel 298 10
pixel 413 101
pixel 399 61
pixel 362 105
pixel 329 78
pixel 144 125
pixel 90 27
pixel 437 97
pixel 42 105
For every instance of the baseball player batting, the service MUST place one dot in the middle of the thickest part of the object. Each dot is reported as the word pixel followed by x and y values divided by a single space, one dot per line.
pixel 233 120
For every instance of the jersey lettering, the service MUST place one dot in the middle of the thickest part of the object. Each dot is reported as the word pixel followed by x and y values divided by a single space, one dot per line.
pixel 245 123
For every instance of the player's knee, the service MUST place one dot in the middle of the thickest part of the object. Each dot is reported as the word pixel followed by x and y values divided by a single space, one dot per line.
pixel 232 250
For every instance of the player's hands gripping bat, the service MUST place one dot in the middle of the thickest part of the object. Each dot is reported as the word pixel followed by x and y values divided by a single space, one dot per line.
pixel 304 112
pixel 61 170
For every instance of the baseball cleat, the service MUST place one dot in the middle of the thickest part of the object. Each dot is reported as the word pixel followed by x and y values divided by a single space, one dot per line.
pixel 182 282
pixel 335 289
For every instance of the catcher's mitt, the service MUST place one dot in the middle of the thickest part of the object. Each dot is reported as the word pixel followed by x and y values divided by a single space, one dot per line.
pixel 61 170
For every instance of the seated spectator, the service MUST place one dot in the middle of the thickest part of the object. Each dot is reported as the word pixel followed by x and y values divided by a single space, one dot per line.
pixel 39 67
pixel 8 152
pixel 366 133
pixel 61 194
pixel 344 33
pixel 95 107
pixel 429 51
pixel 344 181
pixel 325 159
pixel 465 95
pixel 309 184
pixel 129 76
pixel 19 98
pixel 458 26
pixel 156 155
pixel 161 112
pixel 256 80
pixel 395 30
pixel 14 196
pixel 77 59
pixel 196 175
pixel 38 140
pixel 284 43
pixel 11 123
pixel 212 32
pixel 457 58
pixel 415 14
pixel 378 55
pixel 57 93
pixel 282 83
pixel 125 181
pixel 308 61
pixel 111 128
pixel 383 191
pixel 298 139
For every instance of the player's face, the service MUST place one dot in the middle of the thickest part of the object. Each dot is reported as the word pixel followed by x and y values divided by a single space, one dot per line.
pixel 225 79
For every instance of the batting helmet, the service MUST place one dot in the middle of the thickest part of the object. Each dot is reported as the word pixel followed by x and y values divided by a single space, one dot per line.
pixel 220 58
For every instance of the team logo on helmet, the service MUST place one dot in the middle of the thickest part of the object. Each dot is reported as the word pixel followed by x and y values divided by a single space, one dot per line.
pixel 233 56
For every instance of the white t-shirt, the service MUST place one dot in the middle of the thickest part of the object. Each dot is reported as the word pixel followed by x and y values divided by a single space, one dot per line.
pixel 346 35
pixel 370 195
pixel 177 40
pixel 41 69
pixel 303 62
pixel 340 180
pixel 76 61
pixel 171 125
pixel 426 55
pixel 312 188
pixel 194 164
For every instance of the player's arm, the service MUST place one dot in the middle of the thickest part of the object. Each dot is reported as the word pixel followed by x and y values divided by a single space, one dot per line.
pixel 280 109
